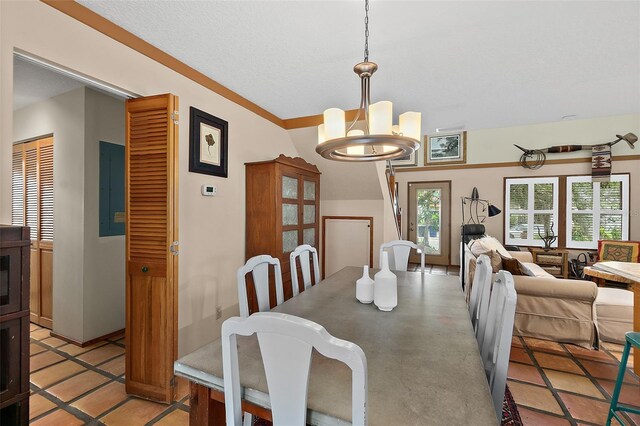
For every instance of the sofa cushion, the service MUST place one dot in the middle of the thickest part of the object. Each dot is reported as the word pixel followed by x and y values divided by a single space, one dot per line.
pixel 614 313
pixel 534 270
pixel 487 243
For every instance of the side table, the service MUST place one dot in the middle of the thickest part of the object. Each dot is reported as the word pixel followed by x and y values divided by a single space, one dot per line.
pixel 555 262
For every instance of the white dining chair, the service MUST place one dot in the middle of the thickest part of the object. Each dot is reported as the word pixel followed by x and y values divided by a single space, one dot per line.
pixel 259 268
pixel 496 346
pixel 286 343
pixel 399 254
pixel 481 279
pixel 304 252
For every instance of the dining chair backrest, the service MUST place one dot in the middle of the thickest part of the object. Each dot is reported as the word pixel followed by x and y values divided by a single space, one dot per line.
pixel 304 253
pixel 496 346
pixel 286 343
pixel 481 279
pixel 482 316
pixel 259 268
pixel 399 254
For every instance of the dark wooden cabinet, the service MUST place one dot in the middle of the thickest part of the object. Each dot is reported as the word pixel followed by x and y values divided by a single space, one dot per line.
pixel 14 325
pixel 282 210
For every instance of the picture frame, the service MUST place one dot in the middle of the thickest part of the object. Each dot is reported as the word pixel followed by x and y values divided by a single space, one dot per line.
pixel 445 148
pixel 406 161
pixel 208 144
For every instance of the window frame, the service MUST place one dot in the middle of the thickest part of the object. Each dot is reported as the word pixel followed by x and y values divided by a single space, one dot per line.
pixel 596 211
pixel 531 211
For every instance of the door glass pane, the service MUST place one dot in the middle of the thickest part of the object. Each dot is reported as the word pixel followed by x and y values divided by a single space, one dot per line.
pixel 518 225
pixel 289 187
pixel 581 196
pixel 289 241
pixel 309 236
pixel 429 221
pixel 542 225
pixel 519 196
pixel 309 190
pixel 289 214
pixel 582 227
pixel 610 226
pixel 309 215
pixel 543 196
pixel 611 195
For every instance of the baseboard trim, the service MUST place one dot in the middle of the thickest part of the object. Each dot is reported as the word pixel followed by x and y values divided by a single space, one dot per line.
pixel 88 342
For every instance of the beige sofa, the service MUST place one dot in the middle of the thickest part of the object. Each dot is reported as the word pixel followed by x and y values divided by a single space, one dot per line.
pixel 549 308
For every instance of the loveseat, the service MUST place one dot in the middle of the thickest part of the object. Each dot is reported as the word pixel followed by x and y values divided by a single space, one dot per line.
pixel 547 308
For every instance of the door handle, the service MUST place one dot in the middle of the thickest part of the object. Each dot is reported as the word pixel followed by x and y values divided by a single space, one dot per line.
pixel 145 269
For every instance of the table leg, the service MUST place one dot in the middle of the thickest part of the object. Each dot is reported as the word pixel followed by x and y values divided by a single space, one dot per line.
pixel 203 410
pixel 636 324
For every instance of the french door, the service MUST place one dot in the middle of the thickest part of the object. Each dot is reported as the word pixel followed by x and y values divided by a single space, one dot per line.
pixel 151 170
pixel 430 220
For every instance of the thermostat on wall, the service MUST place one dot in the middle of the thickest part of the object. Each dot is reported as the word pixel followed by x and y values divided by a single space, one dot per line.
pixel 209 190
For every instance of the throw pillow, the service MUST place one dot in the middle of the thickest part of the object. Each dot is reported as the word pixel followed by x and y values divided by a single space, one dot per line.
pixel 513 265
pixel 622 251
pixel 487 243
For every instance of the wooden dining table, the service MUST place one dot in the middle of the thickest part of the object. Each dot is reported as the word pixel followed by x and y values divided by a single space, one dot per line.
pixel 424 367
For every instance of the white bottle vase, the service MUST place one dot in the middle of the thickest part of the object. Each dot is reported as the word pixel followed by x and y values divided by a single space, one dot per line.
pixel 385 289
pixel 364 287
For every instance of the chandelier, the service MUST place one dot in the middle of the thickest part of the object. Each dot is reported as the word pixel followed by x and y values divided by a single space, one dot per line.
pixel 380 139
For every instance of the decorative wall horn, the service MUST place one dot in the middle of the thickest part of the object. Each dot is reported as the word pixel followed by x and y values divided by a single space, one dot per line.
pixel 535 158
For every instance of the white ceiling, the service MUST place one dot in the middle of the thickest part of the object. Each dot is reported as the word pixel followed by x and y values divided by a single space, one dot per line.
pixel 33 83
pixel 481 64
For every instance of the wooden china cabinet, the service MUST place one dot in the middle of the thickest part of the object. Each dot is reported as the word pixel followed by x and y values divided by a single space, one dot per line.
pixel 283 211
pixel 14 324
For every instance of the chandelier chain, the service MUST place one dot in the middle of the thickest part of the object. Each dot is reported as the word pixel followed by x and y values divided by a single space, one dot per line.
pixel 366 31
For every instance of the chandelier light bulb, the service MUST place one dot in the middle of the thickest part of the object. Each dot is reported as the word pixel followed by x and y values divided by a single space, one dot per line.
pixel 410 123
pixel 380 118
pixel 321 136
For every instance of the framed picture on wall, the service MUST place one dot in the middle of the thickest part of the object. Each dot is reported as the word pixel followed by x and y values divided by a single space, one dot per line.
pixel 208 144
pixel 445 148
pixel 406 161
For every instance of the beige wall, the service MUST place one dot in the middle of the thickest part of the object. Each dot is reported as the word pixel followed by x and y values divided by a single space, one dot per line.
pixel 104 257
pixel 212 229
pixel 369 208
pixel 63 116
pixel 496 147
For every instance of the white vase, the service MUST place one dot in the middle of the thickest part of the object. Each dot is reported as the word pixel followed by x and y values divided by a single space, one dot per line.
pixel 385 288
pixel 364 287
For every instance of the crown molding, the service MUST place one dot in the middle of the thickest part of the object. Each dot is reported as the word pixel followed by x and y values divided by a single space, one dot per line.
pixel 93 20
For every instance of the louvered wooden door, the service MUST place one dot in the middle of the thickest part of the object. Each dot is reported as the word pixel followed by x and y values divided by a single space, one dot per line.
pixel 152 233
pixel 32 205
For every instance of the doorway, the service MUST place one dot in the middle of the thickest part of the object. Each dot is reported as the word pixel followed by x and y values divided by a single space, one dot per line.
pixel 358 231
pixel 429 220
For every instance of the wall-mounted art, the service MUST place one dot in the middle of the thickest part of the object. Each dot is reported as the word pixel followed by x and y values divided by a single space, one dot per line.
pixel 445 148
pixel 208 143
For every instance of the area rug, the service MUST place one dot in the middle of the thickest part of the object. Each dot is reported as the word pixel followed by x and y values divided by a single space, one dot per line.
pixel 510 415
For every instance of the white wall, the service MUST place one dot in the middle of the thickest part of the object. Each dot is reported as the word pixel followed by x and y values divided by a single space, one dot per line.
pixel 104 257
pixel 62 115
pixel 212 229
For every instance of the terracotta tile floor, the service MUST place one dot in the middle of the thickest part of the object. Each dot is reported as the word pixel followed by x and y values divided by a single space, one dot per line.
pixel 563 384
pixel 78 386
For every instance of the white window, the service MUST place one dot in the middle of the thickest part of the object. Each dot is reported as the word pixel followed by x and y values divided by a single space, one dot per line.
pixel 597 211
pixel 531 210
